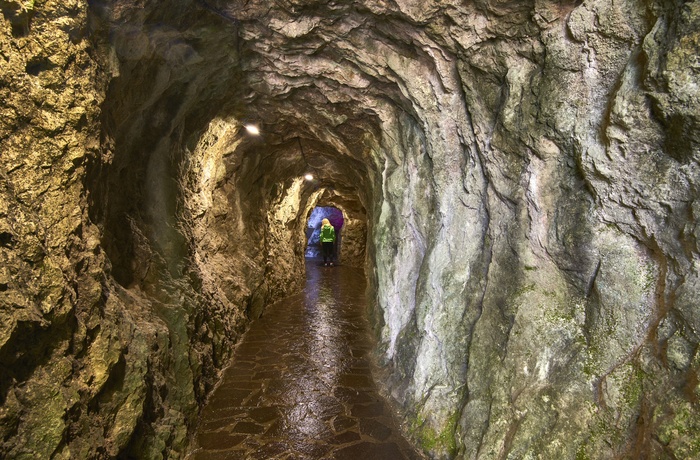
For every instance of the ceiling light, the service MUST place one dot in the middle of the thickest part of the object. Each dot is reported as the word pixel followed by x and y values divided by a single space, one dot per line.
pixel 309 177
pixel 252 129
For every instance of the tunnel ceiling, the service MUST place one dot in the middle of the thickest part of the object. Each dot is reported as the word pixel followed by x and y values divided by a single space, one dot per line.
pixel 332 74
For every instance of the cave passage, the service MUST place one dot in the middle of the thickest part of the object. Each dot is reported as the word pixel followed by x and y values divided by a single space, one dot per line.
pixel 519 181
pixel 300 384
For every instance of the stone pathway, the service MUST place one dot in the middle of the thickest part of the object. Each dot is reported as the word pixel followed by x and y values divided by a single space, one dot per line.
pixel 300 385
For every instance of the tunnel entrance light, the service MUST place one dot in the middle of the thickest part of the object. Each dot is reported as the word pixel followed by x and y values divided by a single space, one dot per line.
pixel 309 177
pixel 252 129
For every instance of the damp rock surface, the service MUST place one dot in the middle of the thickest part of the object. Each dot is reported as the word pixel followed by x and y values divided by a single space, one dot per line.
pixel 301 385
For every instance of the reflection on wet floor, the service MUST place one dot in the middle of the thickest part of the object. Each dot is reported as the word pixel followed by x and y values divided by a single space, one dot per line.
pixel 300 385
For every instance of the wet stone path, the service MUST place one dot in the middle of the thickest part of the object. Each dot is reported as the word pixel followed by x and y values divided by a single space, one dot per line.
pixel 300 385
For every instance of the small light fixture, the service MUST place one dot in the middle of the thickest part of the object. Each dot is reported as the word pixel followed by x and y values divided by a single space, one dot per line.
pixel 309 177
pixel 252 129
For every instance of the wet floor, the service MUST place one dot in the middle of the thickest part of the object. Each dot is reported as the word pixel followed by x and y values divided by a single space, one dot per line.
pixel 300 385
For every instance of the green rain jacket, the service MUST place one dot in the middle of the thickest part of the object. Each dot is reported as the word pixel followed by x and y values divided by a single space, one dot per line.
pixel 327 234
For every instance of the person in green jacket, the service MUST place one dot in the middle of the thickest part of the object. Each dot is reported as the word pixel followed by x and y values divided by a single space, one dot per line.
pixel 327 240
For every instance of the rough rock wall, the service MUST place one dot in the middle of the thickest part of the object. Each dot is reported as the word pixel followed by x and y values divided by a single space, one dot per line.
pixel 553 316
pixel 54 381
pixel 190 222
pixel 354 241
pixel 127 273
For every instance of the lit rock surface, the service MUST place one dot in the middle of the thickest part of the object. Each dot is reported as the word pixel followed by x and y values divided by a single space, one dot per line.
pixel 526 173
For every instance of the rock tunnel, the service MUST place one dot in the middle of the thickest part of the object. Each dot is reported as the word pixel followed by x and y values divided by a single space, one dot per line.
pixel 519 181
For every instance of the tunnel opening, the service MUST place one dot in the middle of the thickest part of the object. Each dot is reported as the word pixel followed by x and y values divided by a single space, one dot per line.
pixel 313 231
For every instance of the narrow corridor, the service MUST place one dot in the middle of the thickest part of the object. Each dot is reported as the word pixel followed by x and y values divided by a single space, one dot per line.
pixel 300 385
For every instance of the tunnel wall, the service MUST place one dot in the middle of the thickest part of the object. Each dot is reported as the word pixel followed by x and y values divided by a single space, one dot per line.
pixel 130 265
pixel 354 241
pixel 212 224
pixel 535 244
pixel 64 325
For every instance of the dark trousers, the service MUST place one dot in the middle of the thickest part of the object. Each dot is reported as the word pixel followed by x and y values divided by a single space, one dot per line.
pixel 327 250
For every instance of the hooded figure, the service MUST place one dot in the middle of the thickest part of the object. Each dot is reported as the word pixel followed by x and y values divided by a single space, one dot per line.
pixel 327 240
